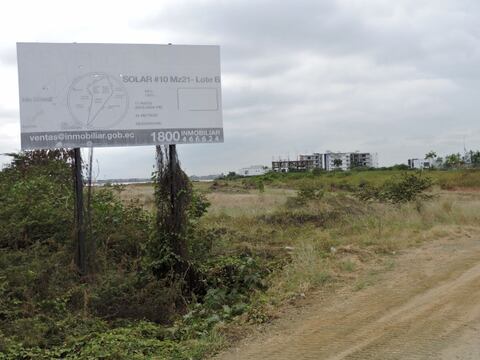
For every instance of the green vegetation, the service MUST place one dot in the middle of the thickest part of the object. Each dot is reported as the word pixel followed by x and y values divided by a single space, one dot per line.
pixel 348 180
pixel 409 187
pixel 124 309
pixel 255 244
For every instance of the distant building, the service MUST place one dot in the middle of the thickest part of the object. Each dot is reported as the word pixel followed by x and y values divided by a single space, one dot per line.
pixel 328 161
pixel 421 163
pixel 253 170
pixel 337 161
pixel 317 159
pixel 292 165
pixel 365 160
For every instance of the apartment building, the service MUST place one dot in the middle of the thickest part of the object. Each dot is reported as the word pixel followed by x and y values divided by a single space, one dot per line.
pixel 327 161
pixel 292 165
pixel 337 161
pixel 317 159
pixel 365 160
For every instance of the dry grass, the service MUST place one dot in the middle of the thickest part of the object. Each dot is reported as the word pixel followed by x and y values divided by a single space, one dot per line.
pixel 252 203
pixel 319 255
pixel 143 193
pixel 385 232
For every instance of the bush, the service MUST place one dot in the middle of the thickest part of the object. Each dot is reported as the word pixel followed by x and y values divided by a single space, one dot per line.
pixel 410 187
pixel 307 191
pixel 49 311
pixel 138 341
pixel 119 230
pixel 320 218
pixel 130 296
pixel 36 202
pixel 230 281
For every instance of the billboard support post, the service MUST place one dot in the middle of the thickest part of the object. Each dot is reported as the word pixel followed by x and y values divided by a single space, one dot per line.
pixel 179 191
pixel 172 152
pixel 80 251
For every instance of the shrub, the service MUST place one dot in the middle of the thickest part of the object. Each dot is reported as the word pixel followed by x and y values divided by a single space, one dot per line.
pixel 307 191
pixel 120 230
pixel 230 283
pixel 36 199
pixel 48 311
pixel 130 296
pixel 410 187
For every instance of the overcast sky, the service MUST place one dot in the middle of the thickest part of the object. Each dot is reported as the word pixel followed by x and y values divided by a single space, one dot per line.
pixel 398 78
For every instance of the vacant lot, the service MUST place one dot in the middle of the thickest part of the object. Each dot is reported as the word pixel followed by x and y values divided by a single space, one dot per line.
pixel 295 265
pixel 378 281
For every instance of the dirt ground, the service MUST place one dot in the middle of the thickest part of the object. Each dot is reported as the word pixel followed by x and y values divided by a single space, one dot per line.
pixel 426 307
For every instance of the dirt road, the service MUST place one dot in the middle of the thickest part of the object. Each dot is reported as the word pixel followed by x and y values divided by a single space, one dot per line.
pixel 426 307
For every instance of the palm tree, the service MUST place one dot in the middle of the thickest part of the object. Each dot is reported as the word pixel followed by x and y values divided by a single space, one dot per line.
pixel 431 155
pixel 453 160
pixel 337 163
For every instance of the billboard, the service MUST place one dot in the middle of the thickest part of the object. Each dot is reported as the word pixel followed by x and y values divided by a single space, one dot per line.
pixel 82 95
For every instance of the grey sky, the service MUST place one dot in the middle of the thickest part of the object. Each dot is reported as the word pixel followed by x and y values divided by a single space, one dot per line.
pixel 394 77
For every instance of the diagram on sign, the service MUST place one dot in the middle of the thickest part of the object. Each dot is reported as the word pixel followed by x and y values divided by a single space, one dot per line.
pixel 97 101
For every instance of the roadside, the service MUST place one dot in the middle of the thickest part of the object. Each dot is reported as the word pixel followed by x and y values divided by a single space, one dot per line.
pixel 427 308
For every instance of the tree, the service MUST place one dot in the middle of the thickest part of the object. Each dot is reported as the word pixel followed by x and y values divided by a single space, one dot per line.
pixel 475 158
pixel 36 198
pixel 431 155
pixel 453 160
pixel 337 163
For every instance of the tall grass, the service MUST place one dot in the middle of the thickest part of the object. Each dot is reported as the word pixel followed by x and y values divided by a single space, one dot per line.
pixel 321 241
pixel 385 229
pixel 446 179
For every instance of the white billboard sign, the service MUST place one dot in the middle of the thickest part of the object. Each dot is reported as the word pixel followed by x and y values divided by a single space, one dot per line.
pixel 81 95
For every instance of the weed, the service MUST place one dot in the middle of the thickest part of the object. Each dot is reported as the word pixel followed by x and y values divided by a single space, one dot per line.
pixel 348 266
pixel 410 187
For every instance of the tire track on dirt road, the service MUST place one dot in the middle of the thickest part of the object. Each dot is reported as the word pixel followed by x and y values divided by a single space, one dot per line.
pixel 428 307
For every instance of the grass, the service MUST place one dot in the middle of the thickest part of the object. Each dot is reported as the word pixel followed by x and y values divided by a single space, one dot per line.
pixel 446 179
pixel 327 242
pixel 282 185
pixel 264 243
pixel 264 223
pixel 252 203
pixel 143 193
pixel 348 265
pixel 318 255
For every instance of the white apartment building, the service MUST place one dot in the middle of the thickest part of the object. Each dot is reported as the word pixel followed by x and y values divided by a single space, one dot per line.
pixel 328 161
pixel 342 160
pixel 337 161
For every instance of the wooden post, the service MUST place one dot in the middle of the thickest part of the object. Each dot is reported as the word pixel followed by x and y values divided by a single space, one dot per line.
pixel 178 215
pixel 80 254
pixel 91 246
pixel 172 152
